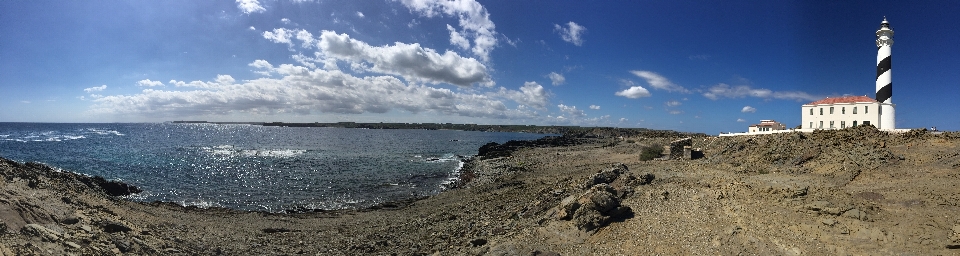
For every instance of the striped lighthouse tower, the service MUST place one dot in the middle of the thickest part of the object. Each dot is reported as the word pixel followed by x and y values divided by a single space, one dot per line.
pixel 884 82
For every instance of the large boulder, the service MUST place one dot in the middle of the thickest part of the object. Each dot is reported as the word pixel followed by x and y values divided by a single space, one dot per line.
pixel 593 209
pixel 606 176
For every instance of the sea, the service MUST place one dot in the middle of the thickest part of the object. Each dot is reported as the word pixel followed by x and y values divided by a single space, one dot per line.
pixel 253 167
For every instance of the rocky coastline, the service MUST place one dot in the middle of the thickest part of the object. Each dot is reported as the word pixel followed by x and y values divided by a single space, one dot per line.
pixel 856 191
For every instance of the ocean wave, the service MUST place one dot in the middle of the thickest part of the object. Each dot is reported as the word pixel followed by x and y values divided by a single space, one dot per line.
pixel 57 136
pixel 231 151
pixel 104 131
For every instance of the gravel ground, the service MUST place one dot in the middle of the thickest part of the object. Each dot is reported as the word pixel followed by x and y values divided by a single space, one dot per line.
pixel 856 191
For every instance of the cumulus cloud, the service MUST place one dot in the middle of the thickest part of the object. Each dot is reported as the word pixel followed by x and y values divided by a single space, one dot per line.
pixel 659 82
pixel 594 107
pixel 556 79
pixel 571 111
pixel 306 38
pixel 634 92
pixel 410 61
pixel 748 109
pixel 263 67
pixel 531 94
pixel 148 83
pixel 673 103
pixel 302 90
pixel 253 28
pixel 285 21
pixel 474 22
pixel 250 6
pixel 279 35
pixel 572 33
pixel 95 88
pixel 457 39
pixel 623 119
pixel 740 120
pixel 360 14
pixel 726 91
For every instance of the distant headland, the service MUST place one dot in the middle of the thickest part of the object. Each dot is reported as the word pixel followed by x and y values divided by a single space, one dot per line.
pixel 565 130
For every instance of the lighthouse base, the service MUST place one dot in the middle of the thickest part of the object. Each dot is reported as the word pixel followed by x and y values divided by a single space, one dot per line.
pixel 887 117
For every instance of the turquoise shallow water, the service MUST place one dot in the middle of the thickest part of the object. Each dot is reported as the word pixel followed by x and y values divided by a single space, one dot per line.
pixel 250 167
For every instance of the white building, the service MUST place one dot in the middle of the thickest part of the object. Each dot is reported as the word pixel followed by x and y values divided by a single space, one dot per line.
pixel 766 126
pixel 840 112
pixel 850 111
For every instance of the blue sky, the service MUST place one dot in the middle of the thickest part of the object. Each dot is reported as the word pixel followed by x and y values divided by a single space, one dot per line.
pixel 701 66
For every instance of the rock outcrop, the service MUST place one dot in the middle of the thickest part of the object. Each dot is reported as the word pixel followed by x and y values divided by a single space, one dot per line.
pixel 600 203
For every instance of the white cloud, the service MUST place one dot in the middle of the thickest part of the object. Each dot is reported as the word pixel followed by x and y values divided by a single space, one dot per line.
pixel 740 120
pixel 622 119
pixel 95 88
pixel 360 14
pixel 673 103
pixel 148 83
pixel 594 107
pixel 748 109
pixel 279 35
pixel 264 67
pixel 659 82
pixel 726 91
pixel 572 111
pixel 556 79
pixel 304 91
pixel 457 39
pixel 410 61
pixel 253 28
pixel 572 33
pixel 675 112
pixel 634 92
pixel 531 94
pixel 250 6
pixel 306 38
pixel 474 21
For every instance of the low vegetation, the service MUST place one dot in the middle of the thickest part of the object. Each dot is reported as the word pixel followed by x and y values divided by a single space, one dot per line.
pixel 650 152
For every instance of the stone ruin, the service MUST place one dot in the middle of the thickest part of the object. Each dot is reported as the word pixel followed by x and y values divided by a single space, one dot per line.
pixel 681 149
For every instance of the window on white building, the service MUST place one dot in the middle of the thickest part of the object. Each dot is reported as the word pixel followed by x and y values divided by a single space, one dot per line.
pixel 843 124
pixel 831 110
pixel 843 110
pixel 831 124
pixel 821 111
pixel 811 111
pixel 854 123
pixel 821 124
pixel 811 123
pixel 866 109
pixel 854 110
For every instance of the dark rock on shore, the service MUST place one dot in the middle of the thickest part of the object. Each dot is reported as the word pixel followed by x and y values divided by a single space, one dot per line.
pixel 493 149
pixel 38 175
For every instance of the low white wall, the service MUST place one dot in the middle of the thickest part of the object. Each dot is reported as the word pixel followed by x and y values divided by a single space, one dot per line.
pixel 800 130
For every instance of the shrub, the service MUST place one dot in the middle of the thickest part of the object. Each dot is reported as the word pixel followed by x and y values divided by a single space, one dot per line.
pixel 650 152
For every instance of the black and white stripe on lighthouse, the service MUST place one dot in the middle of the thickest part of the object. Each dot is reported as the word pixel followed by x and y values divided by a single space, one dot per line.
pixel 884 81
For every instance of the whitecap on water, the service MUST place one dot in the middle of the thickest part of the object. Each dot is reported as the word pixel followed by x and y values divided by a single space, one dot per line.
pixel 104 131
pixel 281 153
pixel 231 151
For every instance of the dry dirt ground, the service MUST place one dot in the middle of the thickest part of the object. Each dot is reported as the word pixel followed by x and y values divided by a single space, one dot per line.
pixel 855 191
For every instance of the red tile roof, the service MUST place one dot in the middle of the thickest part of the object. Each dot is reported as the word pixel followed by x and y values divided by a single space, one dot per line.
pixel 844 99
